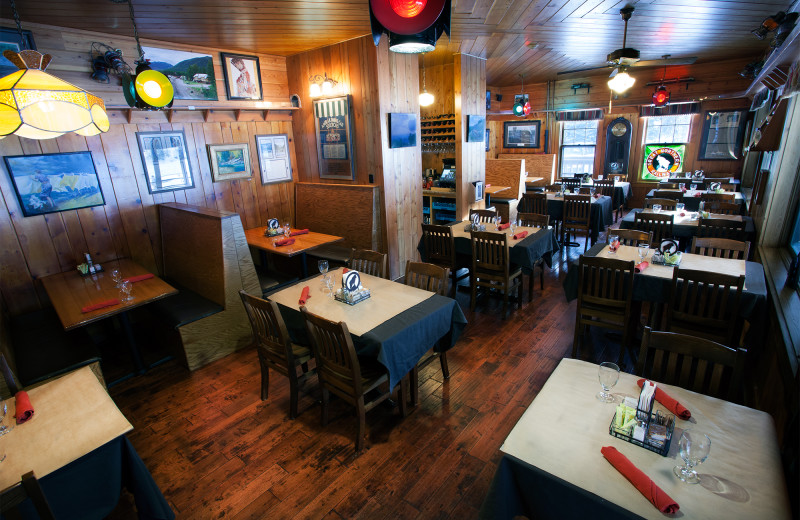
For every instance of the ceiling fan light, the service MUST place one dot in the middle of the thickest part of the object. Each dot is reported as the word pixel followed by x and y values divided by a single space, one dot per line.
pixel 425 99
pixel 621 81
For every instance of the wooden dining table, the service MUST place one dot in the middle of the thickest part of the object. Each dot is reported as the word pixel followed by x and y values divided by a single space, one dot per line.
pixel 692 199
pixel 303 243
pixel 683 226
pixel 75 444
pixel 602 212
pixel 71 291
pixel 552 466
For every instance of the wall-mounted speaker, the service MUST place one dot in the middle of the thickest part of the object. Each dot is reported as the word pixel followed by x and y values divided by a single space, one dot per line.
pixel 498 97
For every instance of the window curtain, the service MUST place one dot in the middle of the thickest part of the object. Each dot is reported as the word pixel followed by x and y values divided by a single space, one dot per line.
pixel 669 110
pixel 580 115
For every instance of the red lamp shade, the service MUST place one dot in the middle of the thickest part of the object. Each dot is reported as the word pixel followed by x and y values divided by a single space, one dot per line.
pixel 526 108
pixel 661 96
pixel 408 8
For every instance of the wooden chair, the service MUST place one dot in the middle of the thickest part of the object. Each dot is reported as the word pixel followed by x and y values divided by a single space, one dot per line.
pixel 485 216
pixel 533 203
pixel 370 262
pixel 720 248
pixel 668 194
pixel 618 177
pixel 631 237
pixel 571 184
pixel 541 221
pixel 491 267
pixel 440 250
pixel 344 374
pixel 432 278
pixel 275 350
pixel 577 218
pixel 606 188
pixel 605 292
pixel 721 228
pixel 552 188
pixel 658 224
pixel 724 208
pixel 705 304
pixel 718 197
pixel 692 363
pixel 666 204
pixel 28 487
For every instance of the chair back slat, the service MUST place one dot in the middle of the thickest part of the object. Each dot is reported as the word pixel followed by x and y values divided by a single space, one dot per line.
pixel 630 237
pixel 490 252
pixel 721 248
pixel 571 183
pixel 666 204
pixel 658 224
pixel 533 220
pixel 604 187
pixel 694 363
pixel 533 203
pixel 485 216
pixel 370 262
pixel 427 277
pixel 337 363
pixel 723 208
pixel 269 330
pixel 721 228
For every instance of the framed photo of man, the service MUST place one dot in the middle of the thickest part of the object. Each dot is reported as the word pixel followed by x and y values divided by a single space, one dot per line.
pixel 242 76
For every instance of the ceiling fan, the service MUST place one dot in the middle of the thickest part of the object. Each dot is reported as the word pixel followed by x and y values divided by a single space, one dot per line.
pixel 629 57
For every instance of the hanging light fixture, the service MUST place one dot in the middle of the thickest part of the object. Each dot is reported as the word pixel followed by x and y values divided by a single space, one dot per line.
pixel 661 94
pixel 425 98
pixel 38 105
pixel 413 26
pixel 148 89
pixel 522 106
pixel 620 80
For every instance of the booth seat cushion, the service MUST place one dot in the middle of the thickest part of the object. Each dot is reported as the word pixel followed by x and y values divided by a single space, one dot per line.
pixel 335 252
pixel 184 308
pixel 43 349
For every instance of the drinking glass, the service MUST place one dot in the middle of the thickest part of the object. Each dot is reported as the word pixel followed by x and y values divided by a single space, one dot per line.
pixel 657 208
pixel 287 230
pixel 612 243
pixel 497 219
pixel 681 186
pixel 642 248
pixel 592 191
pixel 125 289
pixel 694 449
pixel 5 426
pixel 512 225
pixel 330 284
pixel 694 187
pixel 323 266
pixel 680 206
pixel 116 276
pixel 608 374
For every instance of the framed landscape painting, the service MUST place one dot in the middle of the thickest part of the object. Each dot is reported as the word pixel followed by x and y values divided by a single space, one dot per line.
pixel 521 134
pixel 402 130
pixel 229 161
pixel 191 74
pixel 54 182
pixel 476 127
pixel 166 161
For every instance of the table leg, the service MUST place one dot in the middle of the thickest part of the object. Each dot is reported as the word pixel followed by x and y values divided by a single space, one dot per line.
pixel 305 267
pixel 134 349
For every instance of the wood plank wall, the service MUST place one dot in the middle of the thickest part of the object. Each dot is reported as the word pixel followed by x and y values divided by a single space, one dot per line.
pixel 440 81
pixel 127 225
pixel 470 99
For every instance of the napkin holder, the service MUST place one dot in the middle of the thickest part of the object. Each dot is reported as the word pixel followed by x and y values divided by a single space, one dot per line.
pixel 351 297
pixel 659 259
pixel 655 429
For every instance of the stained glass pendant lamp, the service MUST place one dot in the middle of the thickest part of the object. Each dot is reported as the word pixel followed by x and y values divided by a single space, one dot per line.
pixel 38 105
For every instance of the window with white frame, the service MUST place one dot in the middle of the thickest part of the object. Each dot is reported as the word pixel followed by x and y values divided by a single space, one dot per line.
pixel 668 129
pixel 578 143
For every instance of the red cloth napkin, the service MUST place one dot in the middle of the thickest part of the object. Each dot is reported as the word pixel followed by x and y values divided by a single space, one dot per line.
pixel 669 402
pixel 24 407
pixel 682 213
pixel 304 296
pixel 504 226
pixel 134 279
pixel 521 234
pixel 298 232
pixel 640 481
pixel 613 246
pixel 284 242
pixel 344 270
pixel 697 194
pixel 641 266
pixel 597 195
pixel 100 305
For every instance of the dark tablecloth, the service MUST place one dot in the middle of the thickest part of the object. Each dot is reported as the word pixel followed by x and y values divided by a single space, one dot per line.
pixel 399 343
pixel 687 231
pixel 622 192
pixel 693 203
pixel 601 216
pixel 90 487
pixel 519 489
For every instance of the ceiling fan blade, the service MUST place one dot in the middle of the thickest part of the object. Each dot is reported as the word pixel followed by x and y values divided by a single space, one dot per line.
pixel 665 62
pixel 575 71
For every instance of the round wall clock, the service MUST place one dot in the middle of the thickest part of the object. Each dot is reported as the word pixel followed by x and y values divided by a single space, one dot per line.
pixel 619 129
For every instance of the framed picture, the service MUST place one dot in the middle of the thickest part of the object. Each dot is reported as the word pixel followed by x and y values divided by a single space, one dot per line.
pixel 166 161
pixel 191 73
pixel 402 130
pixel 476 127
pixel 521 134
pixel 723 133
pixel 10 41
pixel 242 76
pixel 487 141
pixel 333 123
pixel 273 158
pixel 54 182
pixel 229 161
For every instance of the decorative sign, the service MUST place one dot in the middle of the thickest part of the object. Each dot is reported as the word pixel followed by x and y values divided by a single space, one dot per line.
pixel 334 144
pixel 669 247
pixel 273 157
pixel 662 160
pixel 273 223
pixel 351 281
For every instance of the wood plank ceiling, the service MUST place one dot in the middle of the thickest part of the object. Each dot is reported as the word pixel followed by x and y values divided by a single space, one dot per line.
pixel 536 37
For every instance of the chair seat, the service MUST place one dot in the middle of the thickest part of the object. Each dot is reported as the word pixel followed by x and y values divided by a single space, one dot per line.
pixel 300 352
pixel 372 373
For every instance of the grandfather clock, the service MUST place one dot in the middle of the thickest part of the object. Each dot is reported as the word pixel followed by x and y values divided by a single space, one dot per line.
pixel 618 147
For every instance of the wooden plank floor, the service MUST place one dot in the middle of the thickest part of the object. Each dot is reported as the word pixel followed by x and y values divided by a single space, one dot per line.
pixel 217 451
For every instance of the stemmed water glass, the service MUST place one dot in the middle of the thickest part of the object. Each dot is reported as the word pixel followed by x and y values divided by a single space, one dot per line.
pixel 497 219
pixel 512 225
pixel 613 241
pixel 323 269
pixel 608 374
pixel 125 289
pixel 694 449
pixel 330 285
pixel 657 208
pixel 116 276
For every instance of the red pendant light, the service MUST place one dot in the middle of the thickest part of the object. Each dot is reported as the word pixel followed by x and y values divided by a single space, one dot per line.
pixel 661 96
pixel 408 8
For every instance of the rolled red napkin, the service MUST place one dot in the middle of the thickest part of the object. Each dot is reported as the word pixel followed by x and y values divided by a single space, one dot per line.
pixel 299 232
pixel 344 270
pixel 682 213
pixel 23 406
pixel 640 481
pixel 99 305
pixel 504 226
pixel 304 295
pixel 139 278
pixel 284 242
pixel 641 266
pixel 521 234
pixel 669 402
pixel 697 194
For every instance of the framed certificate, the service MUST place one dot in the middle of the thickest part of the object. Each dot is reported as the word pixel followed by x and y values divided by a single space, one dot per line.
pixel 333 123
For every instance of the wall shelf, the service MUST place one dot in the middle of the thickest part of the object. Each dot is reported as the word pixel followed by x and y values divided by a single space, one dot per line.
pixel 775 65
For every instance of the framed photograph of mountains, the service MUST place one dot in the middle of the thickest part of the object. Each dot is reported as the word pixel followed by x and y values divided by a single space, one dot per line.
pixel 191 74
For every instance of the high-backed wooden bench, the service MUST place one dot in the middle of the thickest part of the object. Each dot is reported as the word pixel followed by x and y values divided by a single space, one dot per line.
pixel 207 257
pixel 536 165
pixel 345 210
pixel 506 172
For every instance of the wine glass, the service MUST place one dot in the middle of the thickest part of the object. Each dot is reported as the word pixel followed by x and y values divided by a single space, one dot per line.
pixel 694 449
pixel 330 284
pixel 497 219
pixel 680 206
pixel 657 208
pixel 125 289
pixel 116 276
pixel 287 230
pixel 608 374
pixel 613 243
pixel 642 249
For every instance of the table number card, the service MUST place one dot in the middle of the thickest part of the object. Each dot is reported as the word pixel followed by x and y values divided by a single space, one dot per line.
pixel 273 223
pixel 351 281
